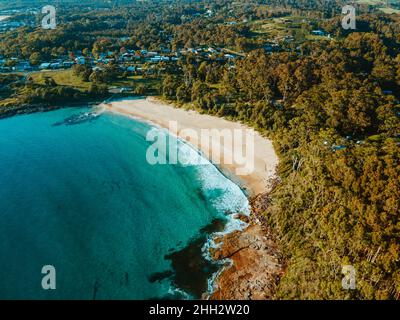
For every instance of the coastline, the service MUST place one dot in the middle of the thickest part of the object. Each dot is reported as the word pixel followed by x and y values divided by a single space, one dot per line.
pixel 161 113
pixel 250 258
pixel 253 262
pixel 43 107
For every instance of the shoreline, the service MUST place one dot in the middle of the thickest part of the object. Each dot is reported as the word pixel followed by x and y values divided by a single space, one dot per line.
pixel 42 107
pixel 161 113
pixel 249 255
pixel 254 262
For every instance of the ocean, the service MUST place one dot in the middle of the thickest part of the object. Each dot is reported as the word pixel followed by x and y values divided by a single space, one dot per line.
pixel 77 193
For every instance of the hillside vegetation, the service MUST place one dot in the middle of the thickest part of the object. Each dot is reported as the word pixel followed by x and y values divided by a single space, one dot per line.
pixel 334 115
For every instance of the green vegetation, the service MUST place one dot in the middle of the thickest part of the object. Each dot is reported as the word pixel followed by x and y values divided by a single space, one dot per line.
pixel 386 6
pixel 334 116
pixel 330 104
pixel 390 10
pixel 46 94
pixel 61 77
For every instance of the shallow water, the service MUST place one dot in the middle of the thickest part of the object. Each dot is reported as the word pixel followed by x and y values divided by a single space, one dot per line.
pixel 80 195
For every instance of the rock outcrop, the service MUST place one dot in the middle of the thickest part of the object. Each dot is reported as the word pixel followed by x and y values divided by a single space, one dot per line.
pixel 255 267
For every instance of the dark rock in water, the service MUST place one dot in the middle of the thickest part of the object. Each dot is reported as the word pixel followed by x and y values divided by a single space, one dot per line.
pixel 242 217
pixel 159 276
pixel 257 264
pixel 78 119
pixel 95 289
pixel 191 268
pixel 255 268
pixel 170 296
pixel 216 225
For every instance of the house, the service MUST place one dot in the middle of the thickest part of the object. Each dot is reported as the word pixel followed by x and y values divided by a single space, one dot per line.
pixel 191 50
pixel 44 66
pixel 271 47
pixel 128 57
pixel 318 32
pixel 80 60
pixel 68 64
pixel 55 65
pixel 288 39
pixel 159 59
pixel 338 148
pixel 268 48
pixel 23 66
pixel 151 54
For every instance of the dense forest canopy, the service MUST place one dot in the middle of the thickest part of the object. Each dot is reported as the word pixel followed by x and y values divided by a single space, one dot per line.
pixel 334 116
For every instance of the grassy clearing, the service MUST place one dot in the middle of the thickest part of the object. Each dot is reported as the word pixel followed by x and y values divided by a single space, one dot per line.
pixel 274 28
pixel 312 37
pixel 390 10
pixel 62 78
pixel 270 27
pixel 382 5
pixel 68 79
pixel 133 83
pixel 8 102
pixel 372 2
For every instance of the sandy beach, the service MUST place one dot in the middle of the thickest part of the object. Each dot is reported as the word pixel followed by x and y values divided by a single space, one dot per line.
pixel 261 160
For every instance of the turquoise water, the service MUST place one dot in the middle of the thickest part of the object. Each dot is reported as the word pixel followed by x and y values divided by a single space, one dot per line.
pixel 83 198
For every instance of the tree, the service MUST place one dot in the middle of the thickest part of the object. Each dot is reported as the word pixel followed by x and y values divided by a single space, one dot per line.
pixel 169 86
pixel 97 77
pixel 183 94
pixel 50 82
pixel 86 52
pixel 35 58
pixel 82 71
pixel 140 90
pixel 96 89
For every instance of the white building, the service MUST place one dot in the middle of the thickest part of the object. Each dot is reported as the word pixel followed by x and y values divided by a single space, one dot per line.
pixel 80 60
pixel 44 66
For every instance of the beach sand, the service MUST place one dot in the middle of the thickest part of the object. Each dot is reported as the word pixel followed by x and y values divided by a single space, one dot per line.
pixel 262 166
